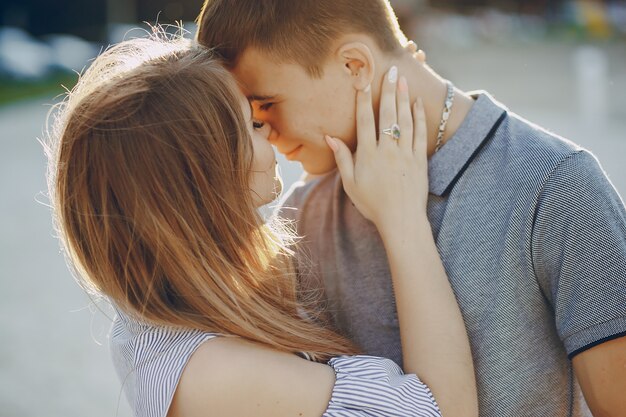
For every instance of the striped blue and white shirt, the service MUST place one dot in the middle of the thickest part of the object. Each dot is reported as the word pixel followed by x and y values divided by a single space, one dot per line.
pixel 150 360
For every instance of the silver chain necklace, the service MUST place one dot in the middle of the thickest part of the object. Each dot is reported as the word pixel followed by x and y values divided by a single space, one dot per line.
pixel 445 115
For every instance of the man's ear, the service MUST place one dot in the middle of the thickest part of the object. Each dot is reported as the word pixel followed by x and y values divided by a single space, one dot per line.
pixel 358 63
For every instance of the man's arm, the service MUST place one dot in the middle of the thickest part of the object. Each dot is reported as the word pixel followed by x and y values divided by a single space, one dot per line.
pixel 601 372
pixel 579 255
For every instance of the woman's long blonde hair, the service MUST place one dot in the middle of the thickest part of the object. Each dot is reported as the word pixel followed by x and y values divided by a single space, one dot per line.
pixel 149 167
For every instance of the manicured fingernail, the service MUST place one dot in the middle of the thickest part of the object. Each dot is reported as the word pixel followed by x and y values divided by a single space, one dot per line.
pixel 367 89
pixel 331 143
pixel 392 75
pixel 403 87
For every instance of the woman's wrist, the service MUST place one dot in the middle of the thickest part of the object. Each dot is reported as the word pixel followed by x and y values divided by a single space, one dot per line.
pixel 407 230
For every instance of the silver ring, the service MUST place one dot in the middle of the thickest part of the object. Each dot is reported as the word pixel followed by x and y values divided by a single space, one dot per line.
pixel 393 131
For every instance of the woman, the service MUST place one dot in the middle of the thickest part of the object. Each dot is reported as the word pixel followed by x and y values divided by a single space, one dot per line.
pixel 157 171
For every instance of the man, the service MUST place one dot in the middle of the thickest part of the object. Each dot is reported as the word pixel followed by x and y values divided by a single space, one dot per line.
pixel 531 232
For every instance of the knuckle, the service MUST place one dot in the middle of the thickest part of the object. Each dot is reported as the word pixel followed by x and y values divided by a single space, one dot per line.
pixel 390 151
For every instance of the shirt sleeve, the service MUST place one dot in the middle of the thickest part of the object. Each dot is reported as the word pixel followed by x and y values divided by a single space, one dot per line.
pixel 371 386
pixel 579 252
pixel 150 361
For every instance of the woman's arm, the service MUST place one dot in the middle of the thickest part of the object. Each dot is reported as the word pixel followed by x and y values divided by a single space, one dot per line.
pixel 387 181
pixel 433 335
pixel 229 376
pixel 232 377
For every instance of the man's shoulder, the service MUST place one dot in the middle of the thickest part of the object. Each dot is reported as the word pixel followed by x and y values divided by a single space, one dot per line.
pixel 531 141
pixel 545 163
pixel 530 152
pixel 511 134
pixel 503 145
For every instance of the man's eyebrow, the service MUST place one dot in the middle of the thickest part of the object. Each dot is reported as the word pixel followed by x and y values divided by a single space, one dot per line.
pixel 260 98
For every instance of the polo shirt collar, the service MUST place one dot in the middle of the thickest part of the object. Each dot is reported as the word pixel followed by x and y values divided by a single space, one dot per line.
pixel 449 163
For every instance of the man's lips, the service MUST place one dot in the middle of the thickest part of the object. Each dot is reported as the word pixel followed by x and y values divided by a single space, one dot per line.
pixel 293 153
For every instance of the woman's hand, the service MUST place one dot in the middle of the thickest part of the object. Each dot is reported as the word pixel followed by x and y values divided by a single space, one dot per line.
pixel 387 178
pixel 387 181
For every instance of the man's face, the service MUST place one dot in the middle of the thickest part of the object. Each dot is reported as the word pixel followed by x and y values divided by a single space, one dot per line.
pixel 300 109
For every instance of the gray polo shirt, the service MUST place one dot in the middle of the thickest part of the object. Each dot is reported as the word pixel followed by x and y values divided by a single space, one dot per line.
pixel 533 238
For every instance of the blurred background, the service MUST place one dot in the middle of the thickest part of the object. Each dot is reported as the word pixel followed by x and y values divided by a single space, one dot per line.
pixel 561 64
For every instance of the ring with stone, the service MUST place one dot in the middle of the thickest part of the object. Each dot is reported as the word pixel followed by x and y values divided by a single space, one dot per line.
pixel 393 131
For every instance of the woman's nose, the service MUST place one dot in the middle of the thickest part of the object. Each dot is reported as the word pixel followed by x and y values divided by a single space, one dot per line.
pixel 265 129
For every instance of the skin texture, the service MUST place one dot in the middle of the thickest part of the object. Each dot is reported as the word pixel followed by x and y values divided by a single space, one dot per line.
pixel 601 372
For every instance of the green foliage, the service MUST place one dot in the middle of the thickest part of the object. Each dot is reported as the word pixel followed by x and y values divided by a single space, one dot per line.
pixel 15 90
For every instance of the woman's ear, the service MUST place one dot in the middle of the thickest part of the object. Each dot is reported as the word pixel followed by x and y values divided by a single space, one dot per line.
pixel 358 63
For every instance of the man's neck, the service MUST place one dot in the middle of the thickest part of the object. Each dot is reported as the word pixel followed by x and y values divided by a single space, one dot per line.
pixel 425 83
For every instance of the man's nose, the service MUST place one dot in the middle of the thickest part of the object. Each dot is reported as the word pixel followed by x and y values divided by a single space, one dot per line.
pixel 272 134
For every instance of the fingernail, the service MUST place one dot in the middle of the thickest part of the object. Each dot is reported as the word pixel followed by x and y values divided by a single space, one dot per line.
pixel 403 87
pixel 367 89
pixel 331 143
pixel 392 75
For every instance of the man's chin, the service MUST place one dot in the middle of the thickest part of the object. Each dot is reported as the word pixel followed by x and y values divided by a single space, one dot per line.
pixel 318 169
